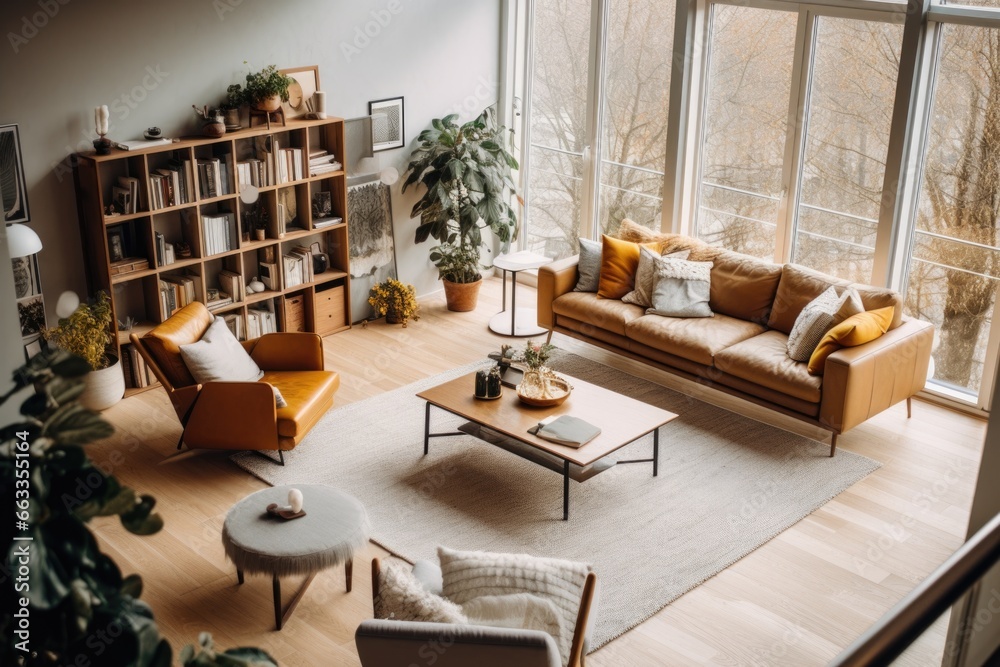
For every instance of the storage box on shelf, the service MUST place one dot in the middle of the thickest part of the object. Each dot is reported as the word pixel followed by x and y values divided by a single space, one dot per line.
pixel 165 225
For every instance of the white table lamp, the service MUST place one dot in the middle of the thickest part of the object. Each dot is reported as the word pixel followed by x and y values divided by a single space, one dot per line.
pixel 22 241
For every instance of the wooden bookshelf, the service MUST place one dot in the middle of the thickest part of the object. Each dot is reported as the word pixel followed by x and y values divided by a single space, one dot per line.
pixel 137 294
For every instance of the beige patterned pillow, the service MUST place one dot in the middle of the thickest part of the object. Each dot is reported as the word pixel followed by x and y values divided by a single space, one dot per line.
pixel 402 598
pixel 642 295
pixel 819 316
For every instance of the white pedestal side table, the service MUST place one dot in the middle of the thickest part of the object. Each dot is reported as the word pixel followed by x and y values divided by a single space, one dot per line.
pixel 334 527
pixel 516 321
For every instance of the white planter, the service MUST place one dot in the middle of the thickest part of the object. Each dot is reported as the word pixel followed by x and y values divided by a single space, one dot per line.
pixel 103 388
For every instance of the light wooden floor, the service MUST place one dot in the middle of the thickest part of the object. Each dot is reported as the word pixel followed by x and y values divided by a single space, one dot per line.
pixel 797 600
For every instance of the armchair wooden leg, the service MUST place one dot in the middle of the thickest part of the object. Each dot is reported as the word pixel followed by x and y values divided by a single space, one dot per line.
pixel 548 339
pixel 833 445
pixel 909 407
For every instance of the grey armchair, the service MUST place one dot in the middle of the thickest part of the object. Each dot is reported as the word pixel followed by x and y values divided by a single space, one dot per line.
pixel 385 643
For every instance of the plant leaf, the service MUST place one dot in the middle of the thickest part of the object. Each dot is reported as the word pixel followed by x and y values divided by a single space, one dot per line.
pixel 74 424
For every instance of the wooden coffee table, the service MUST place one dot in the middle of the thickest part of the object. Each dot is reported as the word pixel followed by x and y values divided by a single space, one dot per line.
pixel 505 422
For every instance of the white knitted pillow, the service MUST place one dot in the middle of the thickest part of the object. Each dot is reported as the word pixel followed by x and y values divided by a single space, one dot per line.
pixel 819 316
pixel 642 295
pixel 474 574
pixel 402 598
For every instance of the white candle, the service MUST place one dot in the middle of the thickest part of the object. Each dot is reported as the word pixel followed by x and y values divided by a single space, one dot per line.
pixel 319 102
pixel 295 500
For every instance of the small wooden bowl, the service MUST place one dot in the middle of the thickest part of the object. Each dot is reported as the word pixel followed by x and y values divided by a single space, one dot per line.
pixel 546 402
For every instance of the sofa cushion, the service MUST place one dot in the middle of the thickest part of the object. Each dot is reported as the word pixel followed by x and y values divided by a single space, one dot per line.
pixel 667 243
pixel 819 316
pixel 645 275
pixel 797 287
pixel 589 266
pixel 874 298
pixel 742 286
pixel 609 314
pixel 764 360
pixel 855 330
pixel 696 339
pixel 219 357
pixel 307 397
pixel 619 262
pixel 681 289
pixel 401 597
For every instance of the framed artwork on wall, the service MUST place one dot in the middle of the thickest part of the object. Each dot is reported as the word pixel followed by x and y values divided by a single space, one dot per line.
pixel 13 192
pixel 300 93
pixel 31 313
pixel 26 280
pixel 387 123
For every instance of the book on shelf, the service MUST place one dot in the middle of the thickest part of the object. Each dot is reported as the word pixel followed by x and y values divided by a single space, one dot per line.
pixel 220 300
pixel 305 254
pixel 294 275
pixel 161 249
pixel 269 275
pixel 218 232
pixel 259 322
pixel 322 162
pixel 210 181
pixel 327 222
pixel 137 373
pixel 139 144
pixel 168 254
pixel 231 283
pixel 565 430
pixel 235 323
pixel 131 184
pixel 177 291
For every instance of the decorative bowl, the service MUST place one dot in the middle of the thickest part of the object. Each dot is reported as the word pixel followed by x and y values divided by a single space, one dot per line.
pixel 559 391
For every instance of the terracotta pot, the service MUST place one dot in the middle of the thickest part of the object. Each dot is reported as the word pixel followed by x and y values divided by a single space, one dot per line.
pixel 214 128
pixel 259 234
pixel 103 388
pixel 272 103
pixel 232 119
pixel 462 297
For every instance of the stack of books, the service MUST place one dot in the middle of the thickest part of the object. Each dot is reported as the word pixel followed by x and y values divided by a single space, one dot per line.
pixel 178 291
pixel 260 322
pixel 322 162
pixel 219 232
pixel 126 195
pixel 216 299
pixel 164 251
pixel 137 374
pixel 235 323
pixel 231 283
pixel 327 222
pixel 171 185
pixel 565 430
pixel 298 266
pixel 213 176
pixel 289 164
pixel 253 172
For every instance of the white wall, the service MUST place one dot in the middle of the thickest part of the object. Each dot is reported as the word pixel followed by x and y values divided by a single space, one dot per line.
pixel 150 61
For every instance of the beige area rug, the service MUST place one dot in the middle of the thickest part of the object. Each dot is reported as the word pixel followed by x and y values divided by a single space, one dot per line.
pixel 727 484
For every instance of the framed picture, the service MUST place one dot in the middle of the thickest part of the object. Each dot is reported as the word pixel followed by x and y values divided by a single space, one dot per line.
pixel 387 123
pixel 300 92
pixel 116 244
pixel 322 205
pixel 31 313
pixel 26 281
pixel 33 347
pixel 13 192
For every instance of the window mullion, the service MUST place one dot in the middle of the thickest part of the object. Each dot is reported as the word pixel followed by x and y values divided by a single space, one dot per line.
pixel 595 112
pixel 797 121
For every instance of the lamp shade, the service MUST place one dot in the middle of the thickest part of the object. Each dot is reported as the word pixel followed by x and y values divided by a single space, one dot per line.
pixel 22 241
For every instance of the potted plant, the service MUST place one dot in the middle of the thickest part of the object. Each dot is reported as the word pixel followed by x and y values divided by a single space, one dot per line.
pixel 87 333
pixel 267 89
pixel 466 172
pixel 394 299
pixel 235 99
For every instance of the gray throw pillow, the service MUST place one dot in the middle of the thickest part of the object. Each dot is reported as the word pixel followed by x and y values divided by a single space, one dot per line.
pixel 589 266
pixel 819 316
pixel 681 289
pixel 642 295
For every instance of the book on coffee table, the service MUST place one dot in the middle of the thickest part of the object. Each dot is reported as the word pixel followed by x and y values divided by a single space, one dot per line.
pixel 565 430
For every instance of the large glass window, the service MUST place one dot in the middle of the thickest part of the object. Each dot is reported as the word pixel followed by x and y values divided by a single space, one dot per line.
pixel 598 143
pixel 745 127
pixel 955 260
pixel 849 115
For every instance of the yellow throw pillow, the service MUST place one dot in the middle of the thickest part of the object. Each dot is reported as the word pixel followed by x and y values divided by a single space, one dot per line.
pixel 855 330
pixel 619 262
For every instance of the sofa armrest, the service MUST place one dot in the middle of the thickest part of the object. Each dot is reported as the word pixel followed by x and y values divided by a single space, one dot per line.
pixel 554 280
pixel 403 643
pixel 233 415
pixel 289 352
pixel 859 382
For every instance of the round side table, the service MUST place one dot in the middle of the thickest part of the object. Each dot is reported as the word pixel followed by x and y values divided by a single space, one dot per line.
pixel 335 525
pixel 517 321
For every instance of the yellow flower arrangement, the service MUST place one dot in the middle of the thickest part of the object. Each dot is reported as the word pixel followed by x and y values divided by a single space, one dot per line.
pixel 394 299
pixel 86 333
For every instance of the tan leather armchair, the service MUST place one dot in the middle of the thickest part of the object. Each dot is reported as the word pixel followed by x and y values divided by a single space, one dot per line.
pixel 241 415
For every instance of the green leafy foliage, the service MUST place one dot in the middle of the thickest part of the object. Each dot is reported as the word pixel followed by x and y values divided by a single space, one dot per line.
pixel 86 333
pixel 466 173
pixel 80 607
pixel 264 84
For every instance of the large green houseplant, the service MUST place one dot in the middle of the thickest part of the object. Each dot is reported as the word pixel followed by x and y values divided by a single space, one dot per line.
pixel 62 600
pixel 87 334
pixel 466 172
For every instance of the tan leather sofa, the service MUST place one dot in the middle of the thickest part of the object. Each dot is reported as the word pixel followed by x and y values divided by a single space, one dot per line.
pixel 742 349
pixel 241 415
